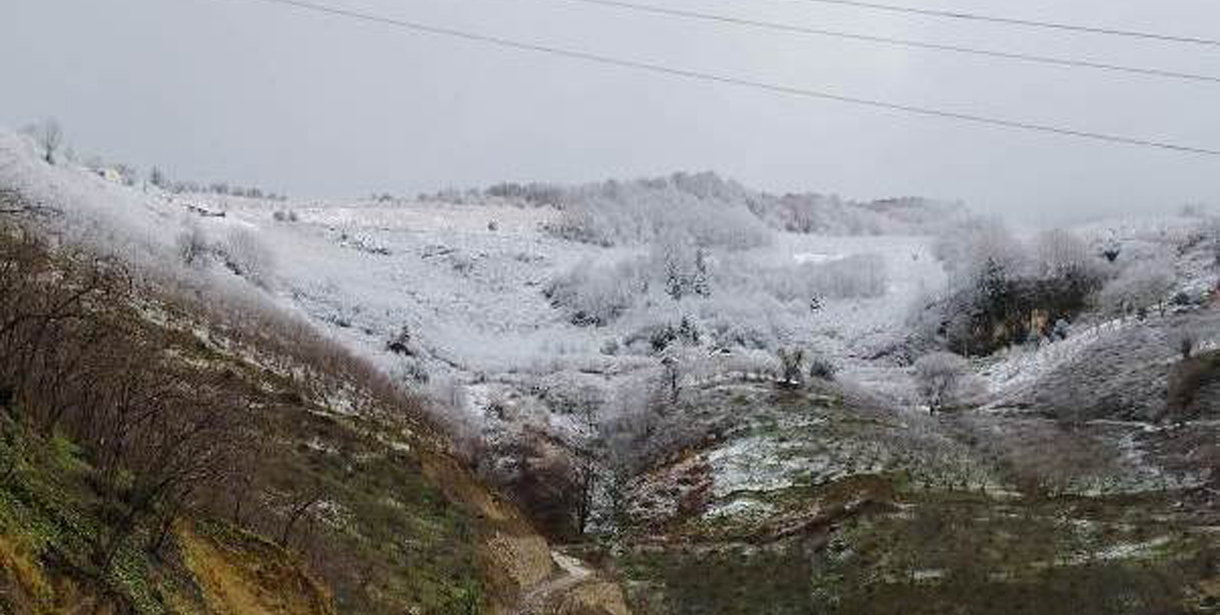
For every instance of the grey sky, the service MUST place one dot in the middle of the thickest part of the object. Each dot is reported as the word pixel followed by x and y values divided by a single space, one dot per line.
pixel 259 94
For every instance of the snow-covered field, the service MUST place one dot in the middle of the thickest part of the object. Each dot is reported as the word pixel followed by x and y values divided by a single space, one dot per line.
pixel 467 282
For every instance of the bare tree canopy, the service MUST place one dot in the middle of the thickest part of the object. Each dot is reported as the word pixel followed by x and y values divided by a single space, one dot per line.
pixel 49 137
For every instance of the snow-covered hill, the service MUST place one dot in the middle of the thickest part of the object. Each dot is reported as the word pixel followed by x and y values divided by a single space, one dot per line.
pixel 657 312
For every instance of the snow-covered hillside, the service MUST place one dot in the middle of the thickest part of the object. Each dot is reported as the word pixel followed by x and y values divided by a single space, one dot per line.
pixel 678 360
pixel 454 291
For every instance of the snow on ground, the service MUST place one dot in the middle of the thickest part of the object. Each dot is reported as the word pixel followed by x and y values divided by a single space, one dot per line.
pixel 848 331
pixel 470 296
pixel 1021 366
pixel 467 280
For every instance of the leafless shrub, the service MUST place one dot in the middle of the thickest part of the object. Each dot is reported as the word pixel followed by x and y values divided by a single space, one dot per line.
pixel 49 137
pixel 157 178
pixel 80 362
pixel 597 295
pixel 193 246
pixel 702 207
pixel 1142 286
pixel 938 377
pixel 822 368
pixel 791 365
pixel 246 256
pixel 1184 341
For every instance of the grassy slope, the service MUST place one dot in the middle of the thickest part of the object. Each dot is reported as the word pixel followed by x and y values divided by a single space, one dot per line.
pixel 1194 387
pixel 917 524
pixel 404 528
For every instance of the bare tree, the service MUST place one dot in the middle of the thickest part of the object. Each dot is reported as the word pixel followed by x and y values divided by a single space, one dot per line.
pixel 791 363
pixel 193 247
pixel 49 136
pixel 157 178
pixel 78 362
pixel 246 256
pixel 296 508
pixel 1062 255
pixel 1140 287
pixel 587 451
pixel 938 377
pixel 673 376
pixel 1185 341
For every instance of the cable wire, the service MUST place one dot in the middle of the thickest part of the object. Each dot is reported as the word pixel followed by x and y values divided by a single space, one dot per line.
pixel 793 29
pixel 1028 23
pixel 736 81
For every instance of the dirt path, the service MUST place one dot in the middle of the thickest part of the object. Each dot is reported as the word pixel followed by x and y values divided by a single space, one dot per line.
pixel 571 573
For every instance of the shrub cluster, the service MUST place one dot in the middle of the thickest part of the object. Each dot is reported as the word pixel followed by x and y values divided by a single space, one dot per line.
pixel 1003 291
pixel 78 361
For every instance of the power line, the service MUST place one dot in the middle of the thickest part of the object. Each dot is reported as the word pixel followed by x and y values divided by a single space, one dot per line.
pixel 793 29
pixel 737 81
pixel 1028 23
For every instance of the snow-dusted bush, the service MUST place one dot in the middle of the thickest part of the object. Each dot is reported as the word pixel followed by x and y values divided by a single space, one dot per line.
pixel 1141 286
pixel 704 208
pixel 643 425
pixel 977 244
pixel 401 343
pixel 791 366
pixel 563 394
pixel 594 294
pixel 412 372
pixel 748 321
pixel 1059 254
pixel 1001 291
pixel 679 266
pixel 461 262
pixel 599 294
pixel 939 377
pixel 823 368
pixel 745 321
pixel 192 246
pixel 652 337
pixel 246 256
pixel 48 136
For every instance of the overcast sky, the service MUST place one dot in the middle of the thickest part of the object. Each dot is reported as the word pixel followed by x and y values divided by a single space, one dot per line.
pixel 321 106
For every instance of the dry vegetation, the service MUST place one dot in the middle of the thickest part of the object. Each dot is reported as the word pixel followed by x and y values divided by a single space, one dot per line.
pixel 132 405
